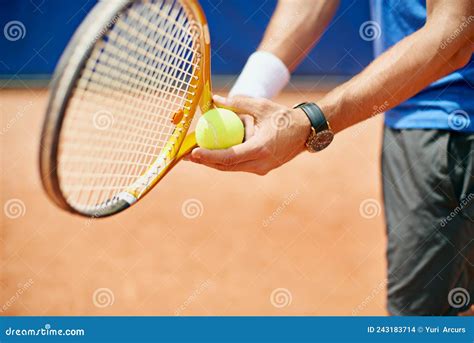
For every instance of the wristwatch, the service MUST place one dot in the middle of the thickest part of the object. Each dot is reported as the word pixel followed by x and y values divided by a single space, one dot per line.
pixel 321 134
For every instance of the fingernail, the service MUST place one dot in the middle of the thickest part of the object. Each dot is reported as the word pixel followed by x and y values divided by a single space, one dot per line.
pixel 195 157
pixel 220 99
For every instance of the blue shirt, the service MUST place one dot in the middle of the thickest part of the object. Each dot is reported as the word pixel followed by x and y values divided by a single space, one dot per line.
pixel 446 104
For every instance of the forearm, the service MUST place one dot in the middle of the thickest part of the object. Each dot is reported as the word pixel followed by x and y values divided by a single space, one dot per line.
pixel 397 75
pixel 401 72
pixel 295 26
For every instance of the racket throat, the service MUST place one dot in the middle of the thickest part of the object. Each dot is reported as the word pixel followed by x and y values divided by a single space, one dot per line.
pixel 189 144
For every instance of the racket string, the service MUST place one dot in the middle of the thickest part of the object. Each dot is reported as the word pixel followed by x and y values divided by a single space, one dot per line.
pixel 161 60
pixel 141 81
pixel 132 169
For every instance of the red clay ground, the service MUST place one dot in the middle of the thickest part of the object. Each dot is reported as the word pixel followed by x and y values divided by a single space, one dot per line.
pixel 307 239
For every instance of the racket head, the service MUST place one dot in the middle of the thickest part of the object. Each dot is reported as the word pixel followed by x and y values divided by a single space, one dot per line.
pixel 143 62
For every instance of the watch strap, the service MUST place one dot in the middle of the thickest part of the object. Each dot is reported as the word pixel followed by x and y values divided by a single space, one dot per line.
pixel 315 116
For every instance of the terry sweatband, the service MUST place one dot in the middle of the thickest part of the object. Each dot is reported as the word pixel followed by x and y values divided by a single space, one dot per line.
pixel 263 76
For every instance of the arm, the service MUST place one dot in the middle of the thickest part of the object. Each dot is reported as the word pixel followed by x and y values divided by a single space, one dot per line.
pixel 407 68
pixel 401 72
pixel 294 28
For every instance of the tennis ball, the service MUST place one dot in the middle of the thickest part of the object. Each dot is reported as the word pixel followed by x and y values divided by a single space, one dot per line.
pixel 219 128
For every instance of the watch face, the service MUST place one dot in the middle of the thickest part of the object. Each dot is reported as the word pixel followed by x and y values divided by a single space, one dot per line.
pixel 320 140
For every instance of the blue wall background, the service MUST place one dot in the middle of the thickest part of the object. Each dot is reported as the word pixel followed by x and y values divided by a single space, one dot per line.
pixel 236 28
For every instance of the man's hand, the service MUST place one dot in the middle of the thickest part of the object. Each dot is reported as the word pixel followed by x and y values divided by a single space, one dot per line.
pixel 274 135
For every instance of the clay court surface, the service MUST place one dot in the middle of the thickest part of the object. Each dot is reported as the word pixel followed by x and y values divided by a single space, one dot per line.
pixel 307 239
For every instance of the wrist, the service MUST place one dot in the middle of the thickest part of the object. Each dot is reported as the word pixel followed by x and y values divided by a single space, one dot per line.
pixel 302 126
pixel 330 108
pixel 263 76
pixel 320 135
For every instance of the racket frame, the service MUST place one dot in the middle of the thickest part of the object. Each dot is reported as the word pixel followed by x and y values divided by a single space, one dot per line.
pixel 97 24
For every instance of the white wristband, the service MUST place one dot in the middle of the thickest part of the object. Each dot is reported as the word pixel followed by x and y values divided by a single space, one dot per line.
pixel 263 76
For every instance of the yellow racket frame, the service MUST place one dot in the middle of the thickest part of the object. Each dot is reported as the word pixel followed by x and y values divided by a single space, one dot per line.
pixel 180 142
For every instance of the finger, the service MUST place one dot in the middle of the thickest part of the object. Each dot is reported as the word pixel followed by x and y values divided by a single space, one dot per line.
pixel 241 104
pixel 253 167
pixel 249 125
pixel 236 154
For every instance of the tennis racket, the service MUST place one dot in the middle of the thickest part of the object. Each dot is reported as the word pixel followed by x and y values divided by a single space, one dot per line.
pixel 122 100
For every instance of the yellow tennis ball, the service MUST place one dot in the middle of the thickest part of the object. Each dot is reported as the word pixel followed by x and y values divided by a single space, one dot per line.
pixel 219 128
